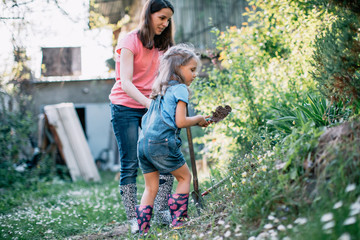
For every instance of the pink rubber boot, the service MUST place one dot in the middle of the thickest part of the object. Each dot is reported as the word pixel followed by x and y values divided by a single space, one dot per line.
pixel 178 205
pixel 143 215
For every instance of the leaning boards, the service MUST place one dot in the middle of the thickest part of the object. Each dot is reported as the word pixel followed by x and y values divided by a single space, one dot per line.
pixel 71 141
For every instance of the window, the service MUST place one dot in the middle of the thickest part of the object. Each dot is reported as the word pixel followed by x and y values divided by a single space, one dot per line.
pixel 64 61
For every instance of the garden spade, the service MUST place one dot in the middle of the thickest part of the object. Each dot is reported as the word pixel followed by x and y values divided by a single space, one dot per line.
pixel 196 193
pixel 218 115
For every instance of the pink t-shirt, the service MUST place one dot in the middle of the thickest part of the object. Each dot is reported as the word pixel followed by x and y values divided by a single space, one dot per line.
pixel 146 65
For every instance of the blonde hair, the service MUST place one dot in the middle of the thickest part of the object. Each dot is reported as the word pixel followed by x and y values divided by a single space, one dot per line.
pixel 176 56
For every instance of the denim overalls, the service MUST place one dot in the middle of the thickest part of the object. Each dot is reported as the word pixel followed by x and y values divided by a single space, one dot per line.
pixel 159 143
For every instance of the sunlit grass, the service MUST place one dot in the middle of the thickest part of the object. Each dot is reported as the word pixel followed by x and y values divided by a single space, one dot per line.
pixel 71 209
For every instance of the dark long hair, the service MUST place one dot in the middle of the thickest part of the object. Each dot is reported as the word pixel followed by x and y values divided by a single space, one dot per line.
pixel 165 39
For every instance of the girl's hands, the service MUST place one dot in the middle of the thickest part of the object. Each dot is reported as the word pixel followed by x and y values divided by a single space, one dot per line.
pixel 183 121
pixel 203 122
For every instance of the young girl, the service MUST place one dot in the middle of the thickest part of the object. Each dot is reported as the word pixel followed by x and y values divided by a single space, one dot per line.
pixel 159 142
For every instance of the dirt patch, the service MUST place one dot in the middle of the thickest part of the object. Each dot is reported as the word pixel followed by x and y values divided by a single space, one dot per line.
pixel 118 232
pixel 335 142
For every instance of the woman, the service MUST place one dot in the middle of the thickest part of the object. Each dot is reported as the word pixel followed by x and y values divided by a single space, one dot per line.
pixel 137 63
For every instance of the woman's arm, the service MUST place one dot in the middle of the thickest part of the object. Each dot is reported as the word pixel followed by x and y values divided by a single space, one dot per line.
pixel 126 76
pixel 182 121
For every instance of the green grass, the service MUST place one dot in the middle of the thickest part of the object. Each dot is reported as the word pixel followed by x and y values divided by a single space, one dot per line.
pixel 60 209
pixel 259 199
pixel 236 210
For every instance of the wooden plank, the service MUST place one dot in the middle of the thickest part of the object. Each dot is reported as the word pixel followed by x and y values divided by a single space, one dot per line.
pixel 60 137
pixel 78 142
pixel 75 148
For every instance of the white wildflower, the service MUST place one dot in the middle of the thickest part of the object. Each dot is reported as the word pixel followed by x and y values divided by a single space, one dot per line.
pixel 271 217
pixel 252 238
pixel 338 205
pixel 49 231
pixel 238 235
pixel 290 226
pixel 227 226
pixel 328 225
pixel 354 208
pixel 345 236
pixel 237 229
pixel 286 238
pixel 244 174
pixel 350 187
pixel 300 221
pixel 281 228
pixel 268 226
pixel 327 217
pixel 273 233
pixel 227 234
pixel 221 222
pixel 262 236
pixel 350 221
pixel 280 166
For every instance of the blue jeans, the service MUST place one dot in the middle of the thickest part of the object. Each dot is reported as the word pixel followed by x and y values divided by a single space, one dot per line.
pixel 126 123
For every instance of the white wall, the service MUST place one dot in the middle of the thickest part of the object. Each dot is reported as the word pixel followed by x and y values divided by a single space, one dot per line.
pixel 98 127
pixel 43 24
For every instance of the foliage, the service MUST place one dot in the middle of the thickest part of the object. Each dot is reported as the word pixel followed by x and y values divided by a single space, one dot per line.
pixel 15 129
pixel 20 166
pixel 337 59
pixel 272 136
pixel 354 6
pixel 264 64
pixel 315 109
pixel 96 20
pixel 18 128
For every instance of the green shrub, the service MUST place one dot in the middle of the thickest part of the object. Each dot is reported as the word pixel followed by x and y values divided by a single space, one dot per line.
pixel 316 109
pixel 263 65
pixel 15 132
pixel 337 59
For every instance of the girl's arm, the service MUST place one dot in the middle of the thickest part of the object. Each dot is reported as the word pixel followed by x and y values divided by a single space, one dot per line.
pixel 182 121
pixel 126 76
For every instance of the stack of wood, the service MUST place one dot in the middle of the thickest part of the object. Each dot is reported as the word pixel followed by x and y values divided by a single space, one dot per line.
pixel 63 124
